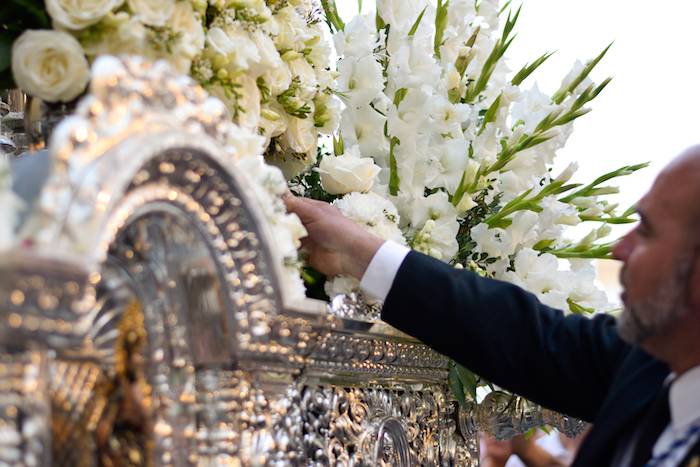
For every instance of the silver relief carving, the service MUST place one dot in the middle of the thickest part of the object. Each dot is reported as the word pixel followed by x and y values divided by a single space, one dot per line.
pixel 502 415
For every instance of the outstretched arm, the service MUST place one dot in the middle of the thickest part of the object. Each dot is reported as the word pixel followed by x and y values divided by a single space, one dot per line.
pixel 336 245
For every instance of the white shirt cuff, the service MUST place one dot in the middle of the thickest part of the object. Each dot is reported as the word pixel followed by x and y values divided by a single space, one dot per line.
pixel 381 272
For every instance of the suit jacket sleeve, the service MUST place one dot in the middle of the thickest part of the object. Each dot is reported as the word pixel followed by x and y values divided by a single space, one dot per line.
pixel 501 332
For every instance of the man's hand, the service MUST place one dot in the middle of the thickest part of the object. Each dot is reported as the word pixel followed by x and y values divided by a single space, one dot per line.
pixel 336 245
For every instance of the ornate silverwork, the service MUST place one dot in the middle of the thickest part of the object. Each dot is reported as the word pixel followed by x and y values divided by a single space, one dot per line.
pixel 502 415
pixel 355 306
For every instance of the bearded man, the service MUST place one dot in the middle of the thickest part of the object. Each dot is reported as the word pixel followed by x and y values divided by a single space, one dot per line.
pixel 620 375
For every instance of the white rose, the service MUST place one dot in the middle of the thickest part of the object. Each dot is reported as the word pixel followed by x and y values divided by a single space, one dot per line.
pixel 231 49
pixel 190 29
pixel 126 35
pixel 153 12
pixel 348 172
pixel 277 80
pixel 244 109
pixel 308 85
pixel 274 120
pixel 79 14
pixel 301 135
pixel 50 65
pixel 269 56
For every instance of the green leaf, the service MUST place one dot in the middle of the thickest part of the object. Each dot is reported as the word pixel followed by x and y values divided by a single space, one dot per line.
pixel 456 385
pixel 331 14
pixel 578 309
pixel 490 115
pixel 440 24
pixel 380 22
pixel 338 146
pixel 468 379
pixel 415 25
pixel 543 244
pixel 621 172
pixel 394 176
pixel 399 96
pixel 461 189
pixel 528 69
pixel 560 95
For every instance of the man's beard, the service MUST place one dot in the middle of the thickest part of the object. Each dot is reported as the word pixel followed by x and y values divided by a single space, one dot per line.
pixel 657 313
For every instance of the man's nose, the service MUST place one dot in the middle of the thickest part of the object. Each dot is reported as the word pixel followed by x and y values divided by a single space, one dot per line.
pixel 622 248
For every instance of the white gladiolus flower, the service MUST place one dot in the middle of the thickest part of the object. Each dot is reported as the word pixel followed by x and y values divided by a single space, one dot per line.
pixel 153 12
pixel 461 13
pixel 566 175
pixel 400 14
pixel 447 168
pixel 446 116
pixel 489 10
pixel 330 117
pixel 360 80
pixel 465 204
pixel 348 172
pixel 436 206
pixel 572 75
pixel 437 238
pixel 365 127
pixel 79 14
pixel 521 233
pixel 50 65
pixel 358 39
pixel 540 274
pixel 413 65
pixel 533 108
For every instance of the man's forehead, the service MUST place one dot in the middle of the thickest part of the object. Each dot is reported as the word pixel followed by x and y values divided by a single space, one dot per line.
pixel 674 195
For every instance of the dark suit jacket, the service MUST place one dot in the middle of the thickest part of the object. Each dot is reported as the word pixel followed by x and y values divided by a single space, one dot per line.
pixel 572 364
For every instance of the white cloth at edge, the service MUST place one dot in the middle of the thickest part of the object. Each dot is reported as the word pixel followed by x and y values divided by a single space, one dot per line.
pixel 684 404
pixel 381 272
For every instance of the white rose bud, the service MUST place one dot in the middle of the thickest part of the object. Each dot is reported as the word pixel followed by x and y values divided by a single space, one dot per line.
pixel 153 12
pixel 50 65
pixel 79 14
pixel 348 173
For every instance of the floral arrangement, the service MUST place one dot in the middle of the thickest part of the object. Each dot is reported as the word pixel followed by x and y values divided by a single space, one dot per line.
pixel 266 62
pixel 459 152
pixel 441 148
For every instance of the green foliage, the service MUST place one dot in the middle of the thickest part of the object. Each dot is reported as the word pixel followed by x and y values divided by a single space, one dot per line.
pixel 308 184
pixel 17 16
